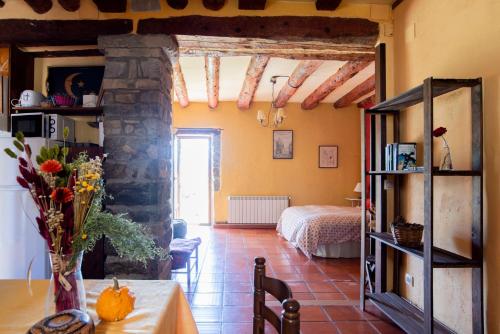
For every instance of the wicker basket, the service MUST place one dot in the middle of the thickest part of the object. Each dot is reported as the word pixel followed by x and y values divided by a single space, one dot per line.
pixel 408 235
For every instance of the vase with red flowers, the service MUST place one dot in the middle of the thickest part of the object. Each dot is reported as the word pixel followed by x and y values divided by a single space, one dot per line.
pixel 69 196
pixel 446 163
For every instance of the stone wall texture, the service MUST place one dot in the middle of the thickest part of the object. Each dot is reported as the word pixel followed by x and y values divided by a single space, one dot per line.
pixel 137 128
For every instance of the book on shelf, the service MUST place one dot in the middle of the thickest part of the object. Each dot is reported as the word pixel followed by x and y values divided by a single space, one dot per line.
pixel 400 156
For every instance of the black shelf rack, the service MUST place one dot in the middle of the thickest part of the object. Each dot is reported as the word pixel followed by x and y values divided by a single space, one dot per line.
pixel 410 318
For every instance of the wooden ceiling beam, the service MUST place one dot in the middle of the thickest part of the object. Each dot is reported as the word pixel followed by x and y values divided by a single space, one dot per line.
pixel 327 4
pixel 239 46
pixel 60 32
pixel 303 70
pixel 212 68
pixel 335 30
pixel 252 78
pixel 367 103
pixel 70 5
pixel 111 6
pixel 67 53
pixel 251 4
pixel 214 4
pixel 177 4
pixel 179 83
pixel 356 93
pixel 40 6
pixel 336 80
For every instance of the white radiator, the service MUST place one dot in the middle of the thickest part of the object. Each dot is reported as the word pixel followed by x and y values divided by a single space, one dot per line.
pixel 256 209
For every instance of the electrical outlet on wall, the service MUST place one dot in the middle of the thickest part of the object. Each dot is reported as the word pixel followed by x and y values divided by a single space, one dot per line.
pixel 409 279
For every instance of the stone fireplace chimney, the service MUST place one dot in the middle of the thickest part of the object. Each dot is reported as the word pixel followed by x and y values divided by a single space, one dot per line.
pixel 138 139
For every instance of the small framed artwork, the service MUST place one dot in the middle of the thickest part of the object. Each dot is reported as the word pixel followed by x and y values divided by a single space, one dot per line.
pixel 75 81
pixel 282 144
pixel 328 156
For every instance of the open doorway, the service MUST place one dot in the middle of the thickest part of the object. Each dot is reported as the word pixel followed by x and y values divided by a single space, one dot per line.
pixel 193 178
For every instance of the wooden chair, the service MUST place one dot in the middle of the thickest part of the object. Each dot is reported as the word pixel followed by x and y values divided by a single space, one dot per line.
pixel 289 320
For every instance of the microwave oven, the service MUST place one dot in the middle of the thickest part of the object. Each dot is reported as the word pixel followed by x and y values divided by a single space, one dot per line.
pixel 50 126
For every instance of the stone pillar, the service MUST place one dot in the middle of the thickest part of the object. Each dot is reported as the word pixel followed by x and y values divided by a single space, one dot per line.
pixel 138 139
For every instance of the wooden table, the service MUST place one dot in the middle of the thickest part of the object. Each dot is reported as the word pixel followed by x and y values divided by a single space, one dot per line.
pixel 160 308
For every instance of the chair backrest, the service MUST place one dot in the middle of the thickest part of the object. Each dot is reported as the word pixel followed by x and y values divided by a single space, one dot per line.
pixel 288 322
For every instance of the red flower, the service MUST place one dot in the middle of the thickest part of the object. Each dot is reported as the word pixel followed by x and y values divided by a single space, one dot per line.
pixel 62 195
pixel 438 132
pixel 51 166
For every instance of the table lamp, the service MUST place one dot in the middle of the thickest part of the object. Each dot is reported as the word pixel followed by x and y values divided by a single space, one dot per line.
pixel 358 188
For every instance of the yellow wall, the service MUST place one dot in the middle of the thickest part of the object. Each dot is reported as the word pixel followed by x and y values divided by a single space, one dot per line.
pixel 453 39
pixel 247 165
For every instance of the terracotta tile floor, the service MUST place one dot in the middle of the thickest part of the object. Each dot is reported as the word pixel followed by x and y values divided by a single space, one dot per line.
pixel 327 289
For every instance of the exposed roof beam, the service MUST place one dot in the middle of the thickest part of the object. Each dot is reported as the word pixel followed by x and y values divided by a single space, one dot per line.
pixel 179 83
pixel 367 103
pixel 254 74
pixel 356 93
pixel 67 53
pixel 214 4
pixel 177 4
pixel 111 6
pixel 60 32
pixel 327 4
pixel 251 4
pixel 336 80
pixel 40 6
pixel 70 5
pixel 212 65
pixel 237 46
pixel 334 30
pixel 397 3
pixel 303 70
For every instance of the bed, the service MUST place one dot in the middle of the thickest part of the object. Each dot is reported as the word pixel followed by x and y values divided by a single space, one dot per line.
pixel 322 230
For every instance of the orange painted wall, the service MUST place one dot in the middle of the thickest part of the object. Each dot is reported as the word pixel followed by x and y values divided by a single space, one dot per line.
pixel 247 165
pixel 453 39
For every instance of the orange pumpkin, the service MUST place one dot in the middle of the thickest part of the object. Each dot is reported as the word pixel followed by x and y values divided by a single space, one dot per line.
pixel 115 302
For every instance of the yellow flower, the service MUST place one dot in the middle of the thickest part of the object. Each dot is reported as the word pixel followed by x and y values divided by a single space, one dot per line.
pixel 84 183
pixel 81 190
pixel 90 188
pixel 84 236
pixel 77 182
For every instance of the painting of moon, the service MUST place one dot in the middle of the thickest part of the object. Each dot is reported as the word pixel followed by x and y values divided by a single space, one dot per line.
pixel 75 81
pixel 68 83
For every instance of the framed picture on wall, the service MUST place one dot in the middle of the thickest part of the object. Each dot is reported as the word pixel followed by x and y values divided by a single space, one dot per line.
pixel 328 156
pixel 282 144
pixel 75 81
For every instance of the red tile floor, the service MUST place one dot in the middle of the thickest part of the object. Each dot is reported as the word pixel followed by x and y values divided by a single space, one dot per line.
pixel 327 289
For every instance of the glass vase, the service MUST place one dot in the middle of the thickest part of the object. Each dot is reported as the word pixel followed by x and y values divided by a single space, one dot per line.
pixel 446 159
pixel 66 289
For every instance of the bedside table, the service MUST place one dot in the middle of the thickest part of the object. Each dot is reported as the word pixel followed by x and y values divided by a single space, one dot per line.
pixel 354 201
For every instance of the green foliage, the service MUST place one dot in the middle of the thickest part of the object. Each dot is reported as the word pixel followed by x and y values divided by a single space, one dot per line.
pixel 130 240
pixel 20 136
pixel 10 153
pixel 19 145
pixel 65 132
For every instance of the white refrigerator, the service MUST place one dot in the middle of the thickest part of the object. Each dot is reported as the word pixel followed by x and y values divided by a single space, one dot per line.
pixel 20 242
